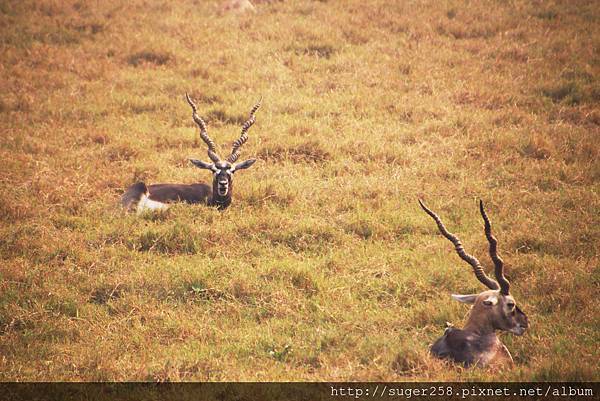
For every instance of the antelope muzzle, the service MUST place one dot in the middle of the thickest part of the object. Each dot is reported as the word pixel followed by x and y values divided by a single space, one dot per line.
pixel 520 322
pixel 223 186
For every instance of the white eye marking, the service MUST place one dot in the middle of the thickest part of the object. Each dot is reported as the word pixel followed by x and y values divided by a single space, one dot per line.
pixel 217 172
pixel 491 300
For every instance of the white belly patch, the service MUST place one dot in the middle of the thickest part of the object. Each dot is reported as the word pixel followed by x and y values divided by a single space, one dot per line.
pixel 147 204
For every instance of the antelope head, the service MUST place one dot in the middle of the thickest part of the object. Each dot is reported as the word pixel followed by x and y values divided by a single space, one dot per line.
pixel 494 309
pixel 223 170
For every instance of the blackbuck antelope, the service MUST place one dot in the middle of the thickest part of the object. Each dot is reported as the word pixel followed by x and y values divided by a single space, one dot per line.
pixel 140 197
pixel 492 310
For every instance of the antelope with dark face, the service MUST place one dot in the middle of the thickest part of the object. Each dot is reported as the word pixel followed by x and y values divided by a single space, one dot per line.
pixel 140 197
pixel 493 310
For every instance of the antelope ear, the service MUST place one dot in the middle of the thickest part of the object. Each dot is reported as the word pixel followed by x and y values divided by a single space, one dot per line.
pixel 465 299
pixel 243 165
pixel 204 165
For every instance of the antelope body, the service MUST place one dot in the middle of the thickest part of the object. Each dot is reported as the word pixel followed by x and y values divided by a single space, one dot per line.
pixel 493 310
pixel 140 197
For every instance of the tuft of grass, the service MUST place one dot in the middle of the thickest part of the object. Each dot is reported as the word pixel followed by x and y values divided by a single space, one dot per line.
pixel 547 15
pixel 103 294
pixel 318 50
pixel 173 239
pixel 223 117
pixel 310 151
pixel 306 237
pixel 567 92
pixel 537 147
pixel 280 354
pixel 410 359
pixel 119 152
pixel 149 57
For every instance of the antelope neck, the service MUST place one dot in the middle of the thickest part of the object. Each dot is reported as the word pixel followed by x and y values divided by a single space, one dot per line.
pixel 479 327
pixel 221 201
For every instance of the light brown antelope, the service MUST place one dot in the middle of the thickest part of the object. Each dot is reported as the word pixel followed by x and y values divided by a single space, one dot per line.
pixel 140 197
pixel 493 310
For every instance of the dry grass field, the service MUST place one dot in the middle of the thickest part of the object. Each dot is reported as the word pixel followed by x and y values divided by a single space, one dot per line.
pixel 324 267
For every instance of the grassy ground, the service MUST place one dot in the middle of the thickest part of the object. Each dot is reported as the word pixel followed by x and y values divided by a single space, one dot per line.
pixel 324 267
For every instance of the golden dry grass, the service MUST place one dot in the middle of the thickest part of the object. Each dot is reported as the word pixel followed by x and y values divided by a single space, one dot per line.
pixel 324 267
